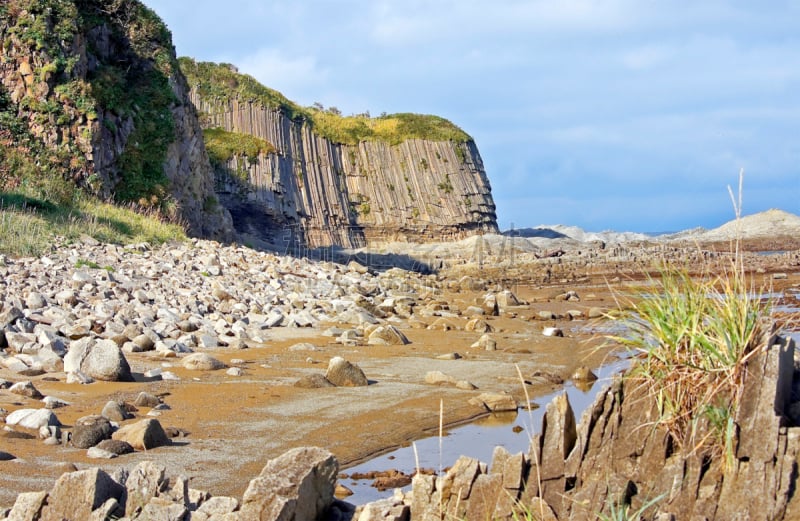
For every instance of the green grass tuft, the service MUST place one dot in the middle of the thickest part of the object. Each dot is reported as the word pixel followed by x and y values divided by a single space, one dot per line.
pixel 692 337
pixel 31 227
pixel 222 145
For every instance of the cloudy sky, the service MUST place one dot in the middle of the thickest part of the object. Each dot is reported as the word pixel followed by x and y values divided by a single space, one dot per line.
pixel 605 114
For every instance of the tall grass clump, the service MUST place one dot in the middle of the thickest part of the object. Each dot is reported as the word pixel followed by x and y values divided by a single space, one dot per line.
pixel 692 337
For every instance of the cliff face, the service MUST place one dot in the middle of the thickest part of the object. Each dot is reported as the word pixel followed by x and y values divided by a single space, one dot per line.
pixel 306 187
pixel 96 86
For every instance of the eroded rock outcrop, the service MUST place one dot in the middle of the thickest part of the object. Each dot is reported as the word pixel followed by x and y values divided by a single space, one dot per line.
pixel 618 457
pixel 298 485
pixel 317 191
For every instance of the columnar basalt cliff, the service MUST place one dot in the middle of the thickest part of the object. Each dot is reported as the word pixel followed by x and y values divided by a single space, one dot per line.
pixel 334 180
pixel 94 88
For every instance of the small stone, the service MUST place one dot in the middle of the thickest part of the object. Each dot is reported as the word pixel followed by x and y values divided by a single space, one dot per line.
pixel 496 402
pixel 26 389
pixel 117 447
pixel 387 335
pixel 51 402
pixel 478 325
pixel 303 346
pixel 439 378
pixel 553 331
pixel 313 381
pixel 115 412
pixel 583 374
pixel 144 435
pixel 146 400
pixel 98 453
pixel 201 362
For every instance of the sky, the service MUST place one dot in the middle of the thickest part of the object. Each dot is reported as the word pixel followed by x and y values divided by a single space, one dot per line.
pixel 631 115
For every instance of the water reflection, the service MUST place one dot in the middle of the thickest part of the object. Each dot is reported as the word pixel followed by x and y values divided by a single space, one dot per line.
pixel 478 439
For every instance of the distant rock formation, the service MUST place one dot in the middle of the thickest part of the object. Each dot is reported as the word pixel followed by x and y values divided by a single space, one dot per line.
pixel 347 189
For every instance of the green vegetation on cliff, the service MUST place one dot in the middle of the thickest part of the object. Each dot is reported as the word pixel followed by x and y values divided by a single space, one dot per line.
pixel 222 145
pixel 75 72
pixel 125 79
pixel 223 83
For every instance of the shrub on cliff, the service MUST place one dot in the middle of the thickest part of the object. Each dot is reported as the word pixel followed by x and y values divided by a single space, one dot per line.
pixel 94 73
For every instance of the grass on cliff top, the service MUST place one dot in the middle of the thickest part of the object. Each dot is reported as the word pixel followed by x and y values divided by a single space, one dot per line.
pixel 31 226
pixel 221 81
pixel 222 145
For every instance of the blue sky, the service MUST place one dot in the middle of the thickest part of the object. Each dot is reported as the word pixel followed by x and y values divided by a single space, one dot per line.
pixel 605 114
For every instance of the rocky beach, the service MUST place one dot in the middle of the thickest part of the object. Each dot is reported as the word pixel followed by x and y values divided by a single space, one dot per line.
pixel 215 303
pixel 212 360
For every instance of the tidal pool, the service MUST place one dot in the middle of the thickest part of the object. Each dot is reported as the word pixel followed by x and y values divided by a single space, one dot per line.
pixel 512 430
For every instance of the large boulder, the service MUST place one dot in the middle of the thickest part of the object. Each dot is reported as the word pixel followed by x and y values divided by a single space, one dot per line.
pixel 99 359
pixel 144 435
pixel 77 494
pixel 298 485
pixel 342 373
pixel 90 430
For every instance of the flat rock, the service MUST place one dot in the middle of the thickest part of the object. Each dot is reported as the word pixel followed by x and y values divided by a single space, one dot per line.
pixel 495 402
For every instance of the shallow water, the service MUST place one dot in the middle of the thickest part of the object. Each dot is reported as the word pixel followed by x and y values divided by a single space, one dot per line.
pixel 477 439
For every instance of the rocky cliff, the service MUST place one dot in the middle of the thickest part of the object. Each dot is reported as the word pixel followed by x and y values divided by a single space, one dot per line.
pixel 319 179
pixel 93 87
